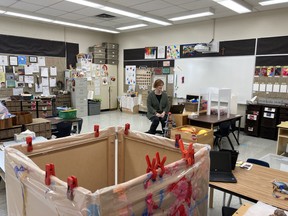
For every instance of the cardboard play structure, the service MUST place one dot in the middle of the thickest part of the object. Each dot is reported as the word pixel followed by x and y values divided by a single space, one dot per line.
pixel 115 171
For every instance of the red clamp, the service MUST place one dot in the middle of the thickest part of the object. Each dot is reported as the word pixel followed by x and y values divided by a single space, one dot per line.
pixel 96 130
pixel 177 138
pixel 50 170
pixel 72 183
pixel 29 144
pixel 187 154
pixel 127 128
pixel 160 164
pixel 151 167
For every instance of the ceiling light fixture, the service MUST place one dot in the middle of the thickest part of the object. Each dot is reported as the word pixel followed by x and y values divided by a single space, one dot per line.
pixel 236 5
pixel 193 14
pixel 271 2
pixel 1 11
pixel 27 16
pixel 84 26
pixel 86 3
pixel 132 26
pixel 111 8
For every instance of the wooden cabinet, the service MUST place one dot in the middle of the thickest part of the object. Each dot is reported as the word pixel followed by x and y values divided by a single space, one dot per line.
pixel 282 138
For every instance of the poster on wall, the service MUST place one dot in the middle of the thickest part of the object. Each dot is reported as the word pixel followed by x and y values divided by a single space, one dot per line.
pixel 173 52
pixel 161 52
pixel 187 50
pixel 130 74
pixel 150 52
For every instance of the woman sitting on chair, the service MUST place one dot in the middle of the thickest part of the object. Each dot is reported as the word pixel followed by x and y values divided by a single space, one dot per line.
pixel 157 106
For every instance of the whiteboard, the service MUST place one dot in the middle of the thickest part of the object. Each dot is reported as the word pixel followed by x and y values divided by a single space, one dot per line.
pixel 235 72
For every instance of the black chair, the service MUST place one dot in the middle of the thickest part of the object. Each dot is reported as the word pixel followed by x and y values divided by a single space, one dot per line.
pixel 63 129
pixel 258 162
pixel 228 211
pixel 223 131
pixel 233 128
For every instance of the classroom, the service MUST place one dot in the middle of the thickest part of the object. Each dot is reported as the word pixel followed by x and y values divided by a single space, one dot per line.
pixel 76 90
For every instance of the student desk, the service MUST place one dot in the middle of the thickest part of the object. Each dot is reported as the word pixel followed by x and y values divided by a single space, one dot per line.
pixel 253 185
pixel 211 121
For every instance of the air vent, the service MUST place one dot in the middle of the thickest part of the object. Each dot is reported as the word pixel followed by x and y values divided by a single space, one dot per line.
pixel 105 16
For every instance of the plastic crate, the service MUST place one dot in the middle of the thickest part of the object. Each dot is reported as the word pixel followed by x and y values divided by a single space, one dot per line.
pixel 68 114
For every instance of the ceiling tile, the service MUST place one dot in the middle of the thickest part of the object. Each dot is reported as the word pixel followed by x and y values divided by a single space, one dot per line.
pixel 51 12
pixel 72 16
pixel 67 6
pixel 88 11
pixel 129 3
pixel 26 6
pixel 6 3
pixel 152 5
pixel 42 2
pixel 167 11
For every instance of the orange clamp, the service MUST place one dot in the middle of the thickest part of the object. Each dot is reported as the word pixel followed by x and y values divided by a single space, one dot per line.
pixel 96 130
pixel 29 143
pixel 160 164
pixel 127 128
pixel 151 167
pixel 72 183
pixel 50 170
pixel 187 154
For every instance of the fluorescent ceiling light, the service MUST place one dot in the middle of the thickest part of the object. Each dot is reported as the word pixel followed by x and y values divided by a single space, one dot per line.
pixel 121 12
pixel 1 11
pixel 86 3
pixel 27 16
pixel 271 2
pixel 83 26
pixel 152 20
pixel 235 5
pixel 131 26
pixel 195 14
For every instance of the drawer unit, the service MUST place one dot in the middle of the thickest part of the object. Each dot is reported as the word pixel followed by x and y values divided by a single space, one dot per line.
pixel 110 45
pixel 112 52
pixel 113 57
pixel 99 61
pixel 269 121
pixel 112 62
pixel 99 55
pixel 252 120
pixel 283 114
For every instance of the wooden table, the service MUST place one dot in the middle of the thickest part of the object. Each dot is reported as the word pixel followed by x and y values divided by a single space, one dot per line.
pixel 211 121
pixel 243 209
pixel 253 185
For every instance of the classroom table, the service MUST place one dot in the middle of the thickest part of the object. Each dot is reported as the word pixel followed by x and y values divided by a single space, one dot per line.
pixel 211 121
pixel 56 120
pixel 253 185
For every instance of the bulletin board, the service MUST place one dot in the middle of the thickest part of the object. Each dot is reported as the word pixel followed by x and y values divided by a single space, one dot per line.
pixel 192 75
pixel 55 67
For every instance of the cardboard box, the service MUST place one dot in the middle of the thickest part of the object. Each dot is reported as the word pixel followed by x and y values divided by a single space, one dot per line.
pixel 180 119
pixel 134 111
pixel 205 138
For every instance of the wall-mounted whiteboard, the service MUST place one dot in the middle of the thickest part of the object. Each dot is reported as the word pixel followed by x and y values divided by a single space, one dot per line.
pixel 195 74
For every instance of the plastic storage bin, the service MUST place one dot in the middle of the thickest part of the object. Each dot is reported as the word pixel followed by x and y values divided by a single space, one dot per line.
pixel 94 107
pixel 68 114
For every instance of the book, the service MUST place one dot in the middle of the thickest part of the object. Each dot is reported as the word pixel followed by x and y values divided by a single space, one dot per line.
pixel 284 71
pixel 278 70
pixel 263 71
pixel 270 71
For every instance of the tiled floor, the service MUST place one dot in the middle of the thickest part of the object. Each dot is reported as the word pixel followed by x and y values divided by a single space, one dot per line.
pixel 249 147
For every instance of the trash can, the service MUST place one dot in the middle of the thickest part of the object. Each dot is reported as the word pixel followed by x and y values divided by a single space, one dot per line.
pixel 94 107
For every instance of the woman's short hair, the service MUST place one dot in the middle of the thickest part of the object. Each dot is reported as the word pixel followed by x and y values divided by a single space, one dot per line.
pixel 157 83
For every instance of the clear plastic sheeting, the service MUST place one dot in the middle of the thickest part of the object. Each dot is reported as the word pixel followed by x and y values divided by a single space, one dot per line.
pixel 181 190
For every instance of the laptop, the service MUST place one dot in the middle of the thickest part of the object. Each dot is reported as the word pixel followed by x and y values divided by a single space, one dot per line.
pixel 177 109
pixel 220 167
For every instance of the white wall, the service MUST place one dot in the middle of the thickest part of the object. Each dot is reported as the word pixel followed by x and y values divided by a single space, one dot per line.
pixel 261 24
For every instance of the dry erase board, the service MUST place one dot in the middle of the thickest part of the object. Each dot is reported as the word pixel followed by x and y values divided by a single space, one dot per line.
pixel 193 75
